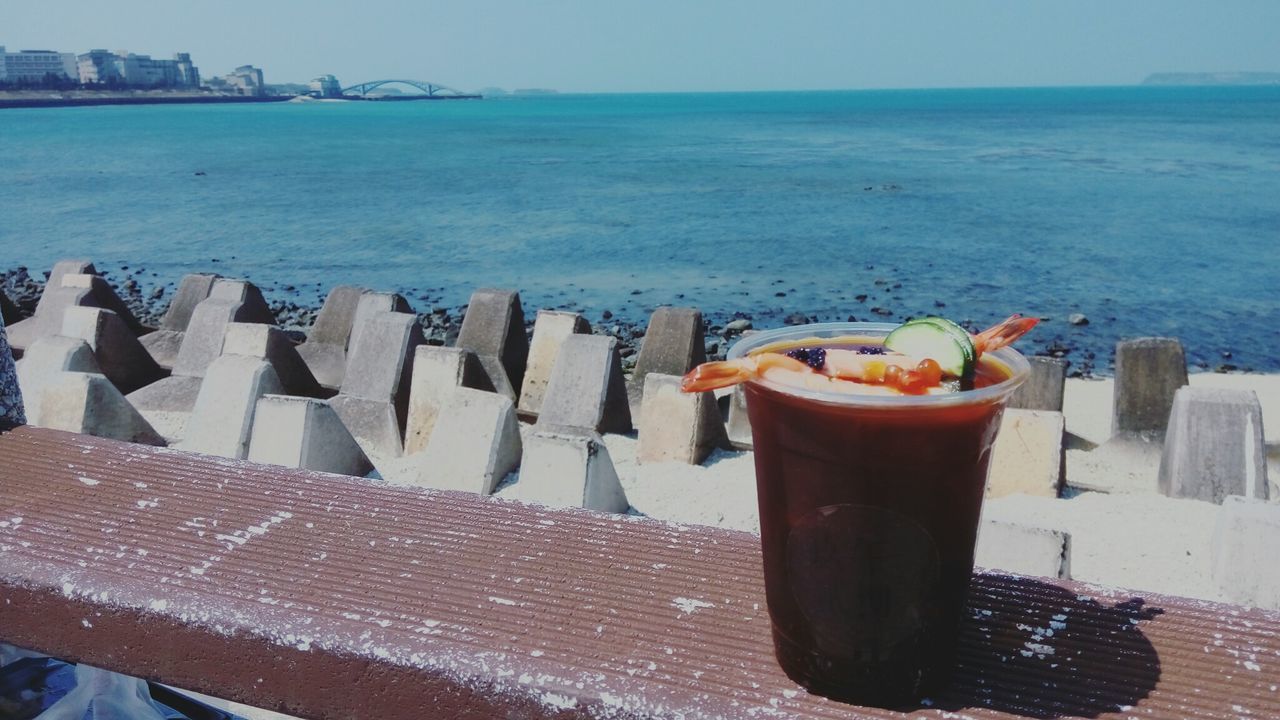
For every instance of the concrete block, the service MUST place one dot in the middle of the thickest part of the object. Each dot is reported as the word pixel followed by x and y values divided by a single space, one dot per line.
pixel 1028 455
pixel 437 372
pixel 1148 373
pixel 673 345
pixel 1024 550
pixel 370 304
pixel 493 329
pixel 380 365
pixel 89 404
pixel 270 343
pixel 587 389
pixel 474 450
pixel 192 290
pixel 222 418
pixel 1044 387
pixel 164 343
pixel 325 350
pixel 304 433
pixel 62 268
pixel 97 292
pixel 44 362
pixel 1214 446
pixel 569 467
pixel 47 320
pixel 1243 555
pixel 375 426
pixel 333 323
pixel 167 404
pixel 23 333
pixel 255 308
pixel 683 427
pixel 120 355
pixel 163 347
pixel 738 425
pixel 229 301
pixel 550 330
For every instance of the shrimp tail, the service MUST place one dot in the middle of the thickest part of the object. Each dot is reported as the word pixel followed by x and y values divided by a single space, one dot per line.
pixel 719 374
pixel 1003 333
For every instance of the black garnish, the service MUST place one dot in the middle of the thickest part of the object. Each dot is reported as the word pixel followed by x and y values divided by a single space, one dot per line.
pixel 815 358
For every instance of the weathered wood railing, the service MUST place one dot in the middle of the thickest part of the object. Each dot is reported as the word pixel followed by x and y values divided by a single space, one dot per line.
pixel 334 597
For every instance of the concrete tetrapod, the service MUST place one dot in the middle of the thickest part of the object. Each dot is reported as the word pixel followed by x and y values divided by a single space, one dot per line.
pixel 550 330
pixel 373 402
pixel 222 419
pixel 163 344
pixel 123 359
pixel 368 305
pixel 22 333
pixel 673 345
pixel 167 404
pixel 684 427
pixel 1148 373
pixel 473 451
pixel 738 425
pixel 1044 387
pixel 1028 455
pixel 437 372
pixel 1243 560
pixel 87 403
pixel 1215 446
pixel 325 350
pixel 493 329
pixel 1023 549
pixel 270 343
pixel 45 361
pixel 569 467
pixel 304 433
pixel 74 290
pixel 587 389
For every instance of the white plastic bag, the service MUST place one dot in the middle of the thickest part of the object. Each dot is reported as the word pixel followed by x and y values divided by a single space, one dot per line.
pixel 104 695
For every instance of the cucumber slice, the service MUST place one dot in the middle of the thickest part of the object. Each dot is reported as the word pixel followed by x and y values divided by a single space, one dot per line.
pixel 961 336
pixel 928 339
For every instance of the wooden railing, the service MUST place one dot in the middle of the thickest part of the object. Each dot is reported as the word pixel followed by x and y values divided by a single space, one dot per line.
pixel 326 596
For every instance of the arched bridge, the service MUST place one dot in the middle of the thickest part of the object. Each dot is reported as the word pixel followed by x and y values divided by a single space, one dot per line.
pixel 429 88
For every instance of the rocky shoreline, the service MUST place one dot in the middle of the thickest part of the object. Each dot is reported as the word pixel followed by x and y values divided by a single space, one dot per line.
pixel 147 295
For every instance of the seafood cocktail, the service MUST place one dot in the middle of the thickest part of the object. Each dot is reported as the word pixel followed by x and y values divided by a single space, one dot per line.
pixel 872 444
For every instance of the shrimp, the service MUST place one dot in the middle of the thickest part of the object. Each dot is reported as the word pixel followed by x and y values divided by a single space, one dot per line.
pixel 818 368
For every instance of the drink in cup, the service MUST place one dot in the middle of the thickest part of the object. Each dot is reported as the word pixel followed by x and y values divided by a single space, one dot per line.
pixel 869 503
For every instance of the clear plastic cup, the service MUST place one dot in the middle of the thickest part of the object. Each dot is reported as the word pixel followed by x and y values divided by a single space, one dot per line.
pixel 869 509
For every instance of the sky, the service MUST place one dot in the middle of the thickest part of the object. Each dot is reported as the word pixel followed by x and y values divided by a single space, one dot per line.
pixel 673 45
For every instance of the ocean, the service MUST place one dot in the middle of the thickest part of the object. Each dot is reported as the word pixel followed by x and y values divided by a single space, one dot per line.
pixel 1150 210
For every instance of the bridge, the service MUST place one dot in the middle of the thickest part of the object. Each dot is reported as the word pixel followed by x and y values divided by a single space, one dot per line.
pixel 429 89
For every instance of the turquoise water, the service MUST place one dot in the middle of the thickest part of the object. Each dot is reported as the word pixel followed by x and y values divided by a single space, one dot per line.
pixel 1150 210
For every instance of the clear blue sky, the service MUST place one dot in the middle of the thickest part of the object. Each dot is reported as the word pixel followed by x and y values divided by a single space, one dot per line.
pixel 674 45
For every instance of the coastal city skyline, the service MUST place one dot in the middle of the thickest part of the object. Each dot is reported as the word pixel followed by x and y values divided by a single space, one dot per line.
pixel 581 47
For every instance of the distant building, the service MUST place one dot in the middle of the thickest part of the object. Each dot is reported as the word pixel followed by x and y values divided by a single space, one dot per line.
pixel 125 69
pixel 245 80
pixel 33 66
pixel 325 86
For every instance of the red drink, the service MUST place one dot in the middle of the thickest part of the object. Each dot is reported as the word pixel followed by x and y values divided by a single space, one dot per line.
pixel 869 508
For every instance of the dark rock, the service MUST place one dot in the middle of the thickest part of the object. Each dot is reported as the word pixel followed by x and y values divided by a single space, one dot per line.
pixel 1077 319
pixel 795 319
pixel 606 315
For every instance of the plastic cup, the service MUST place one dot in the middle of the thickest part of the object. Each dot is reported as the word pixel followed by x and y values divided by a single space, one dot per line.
pixel 869 509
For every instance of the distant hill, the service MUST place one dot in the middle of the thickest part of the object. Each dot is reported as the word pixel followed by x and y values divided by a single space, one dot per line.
pixel 1213 78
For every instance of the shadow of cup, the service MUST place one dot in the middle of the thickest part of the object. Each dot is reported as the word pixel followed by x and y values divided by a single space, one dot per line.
pixel 1038 650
